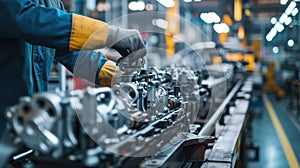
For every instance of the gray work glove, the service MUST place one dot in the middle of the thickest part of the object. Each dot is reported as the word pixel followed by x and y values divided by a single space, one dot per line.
pixel 128 42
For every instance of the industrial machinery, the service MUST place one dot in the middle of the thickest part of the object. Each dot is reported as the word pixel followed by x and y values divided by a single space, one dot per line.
pixel 151 117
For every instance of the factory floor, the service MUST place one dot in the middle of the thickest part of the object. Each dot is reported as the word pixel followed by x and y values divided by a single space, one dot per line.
pixel 276 132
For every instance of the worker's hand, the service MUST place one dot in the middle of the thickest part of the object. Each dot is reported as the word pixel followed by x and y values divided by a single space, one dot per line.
pixel 128 42
pixel 106 74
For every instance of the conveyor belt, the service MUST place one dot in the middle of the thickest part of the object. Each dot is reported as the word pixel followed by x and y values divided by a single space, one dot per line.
pixel 230 148
pixel 210 125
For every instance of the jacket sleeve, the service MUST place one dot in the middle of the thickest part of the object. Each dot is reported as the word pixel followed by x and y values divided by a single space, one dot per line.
pixel 90 65
pixel 51 27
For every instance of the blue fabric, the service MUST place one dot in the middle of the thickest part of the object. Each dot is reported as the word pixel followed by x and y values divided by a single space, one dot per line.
pixel 26 26
pixel 31 21
pixel 83 64
pixel 32 34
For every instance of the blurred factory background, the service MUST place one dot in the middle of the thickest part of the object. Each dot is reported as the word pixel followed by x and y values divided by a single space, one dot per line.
pixel 260 32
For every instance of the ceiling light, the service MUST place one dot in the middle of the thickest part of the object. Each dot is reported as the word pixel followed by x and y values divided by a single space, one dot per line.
pixel 161 23
pixel 288 21
pixel 136 6
pixel 271 34
pixel 279 27
pixel 150 7
pixel 290 8
pixel 273 20
pixel 295 12
pixel 101 7
pixel 283 2
pixel 167 3
pixel 221 28
pixel 275 50
pixel 291 43
pixel 210 17
pixel 187 0
pixel 269 38
pixel 283 17
pixel 215 17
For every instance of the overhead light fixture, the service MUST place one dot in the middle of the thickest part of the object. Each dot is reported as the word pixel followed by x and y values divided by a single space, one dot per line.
pixel 101 7
pixel 295 12
pixel 187 0
pixel 290 8
pixel 275 50
pixel 215 17
pixel 167 3
pixel 150 7
pixel 221 28
pixel 90 4
pixel 283 17
pixel 197 0
pixel 137 6
pixel 271 34
pixel 288 21
pixel 291 43
pixel 273 20
pixel 210 17
pixel 247 12
pixel 283 2
pixel 161 23
pixel 269 38
pixel 279 27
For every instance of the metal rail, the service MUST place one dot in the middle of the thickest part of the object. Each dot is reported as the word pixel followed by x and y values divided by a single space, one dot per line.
pixel 209 127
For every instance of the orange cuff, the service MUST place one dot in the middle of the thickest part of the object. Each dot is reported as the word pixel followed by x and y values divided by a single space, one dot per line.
pixel 106 73
pixel 87 33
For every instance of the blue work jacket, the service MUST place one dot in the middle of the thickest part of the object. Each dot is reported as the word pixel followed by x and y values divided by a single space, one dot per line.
pixel 29 44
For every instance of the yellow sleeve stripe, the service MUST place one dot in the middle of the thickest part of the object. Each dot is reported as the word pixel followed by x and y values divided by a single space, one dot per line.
pixel 107 73
pixel 87 33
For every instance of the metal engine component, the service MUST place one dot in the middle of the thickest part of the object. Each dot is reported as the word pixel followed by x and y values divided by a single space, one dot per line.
pixel 47 122
pixel 145 113
pixel 34 118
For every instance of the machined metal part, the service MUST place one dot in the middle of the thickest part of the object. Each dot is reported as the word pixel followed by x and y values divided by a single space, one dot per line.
pixel 35 119
pixel 148 113
pixel 210 125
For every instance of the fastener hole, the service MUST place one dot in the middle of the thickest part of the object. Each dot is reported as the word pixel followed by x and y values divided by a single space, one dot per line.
pixel 41 103
pixel 26 109
pixel 20 120
pixel 51 112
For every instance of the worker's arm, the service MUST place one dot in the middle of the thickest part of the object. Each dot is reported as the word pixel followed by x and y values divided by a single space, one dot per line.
pixel 65 31
pixel 90 65
pixel 51 27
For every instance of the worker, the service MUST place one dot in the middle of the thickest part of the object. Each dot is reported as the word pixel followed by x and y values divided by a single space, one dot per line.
pixel 35 32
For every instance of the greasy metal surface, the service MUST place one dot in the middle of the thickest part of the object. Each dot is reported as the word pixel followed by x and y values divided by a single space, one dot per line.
pixel 210 125
pixel 239 107
pixel 190 148
pixel 216 165
pixel 225 149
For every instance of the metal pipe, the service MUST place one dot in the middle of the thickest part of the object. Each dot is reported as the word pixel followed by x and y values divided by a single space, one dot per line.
pixel 210 125
pixel 62 78
pixel 22 155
